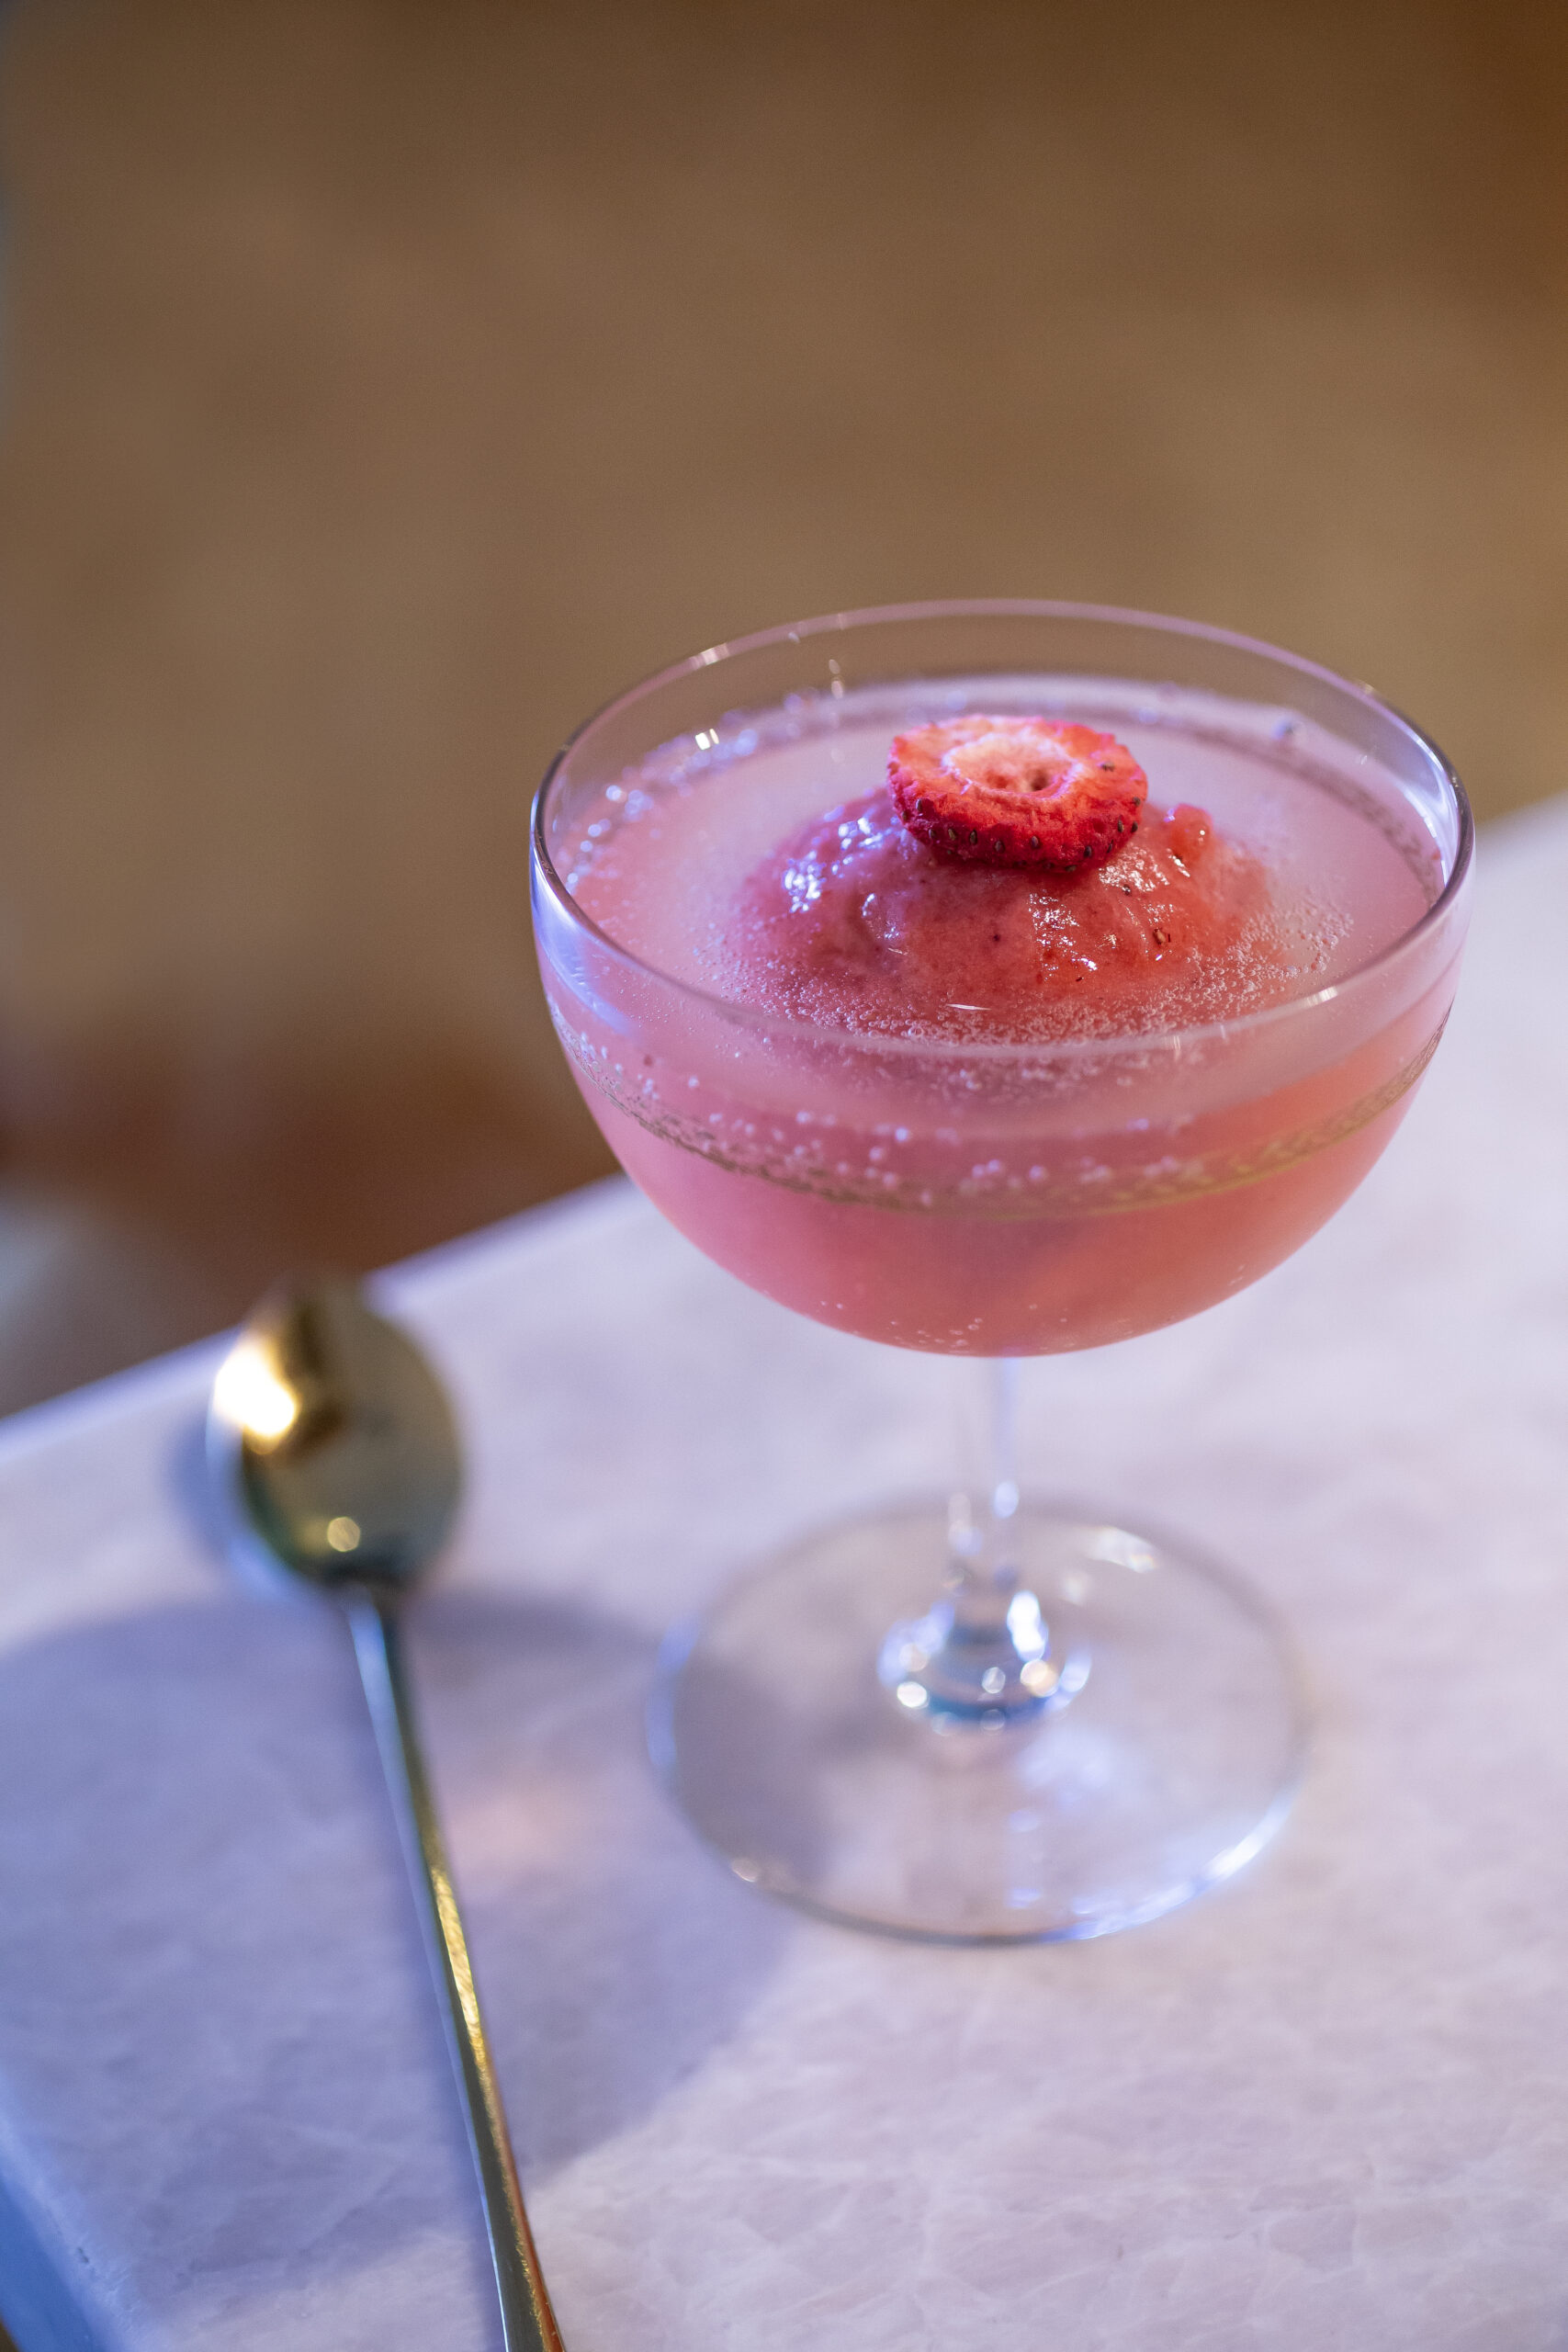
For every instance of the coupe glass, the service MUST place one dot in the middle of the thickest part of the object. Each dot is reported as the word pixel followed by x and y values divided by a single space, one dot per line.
pixel 975 1716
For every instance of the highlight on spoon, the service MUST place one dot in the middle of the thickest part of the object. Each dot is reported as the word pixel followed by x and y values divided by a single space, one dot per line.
pixel 252 1398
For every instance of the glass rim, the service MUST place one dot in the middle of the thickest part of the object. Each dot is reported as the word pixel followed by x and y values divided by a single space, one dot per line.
pixel 1129 1043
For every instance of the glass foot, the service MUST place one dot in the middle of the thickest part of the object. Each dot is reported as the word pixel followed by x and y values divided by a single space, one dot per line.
pixel 1166 1755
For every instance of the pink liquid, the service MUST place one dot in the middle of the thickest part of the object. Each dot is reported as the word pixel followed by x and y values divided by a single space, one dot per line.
pixel 962 1113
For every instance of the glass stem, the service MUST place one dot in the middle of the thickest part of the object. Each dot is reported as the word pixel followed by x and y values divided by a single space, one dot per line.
pixel 980 1657
pixel 983 1568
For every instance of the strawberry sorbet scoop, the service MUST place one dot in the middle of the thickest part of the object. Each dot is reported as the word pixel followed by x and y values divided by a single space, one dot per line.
pixel 1017 791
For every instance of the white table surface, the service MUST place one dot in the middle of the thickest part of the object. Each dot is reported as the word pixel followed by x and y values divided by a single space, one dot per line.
pixel 1327 2106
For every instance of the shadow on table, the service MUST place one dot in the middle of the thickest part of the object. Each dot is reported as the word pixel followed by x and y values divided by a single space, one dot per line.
pixel 616 1952
pixel 219 2050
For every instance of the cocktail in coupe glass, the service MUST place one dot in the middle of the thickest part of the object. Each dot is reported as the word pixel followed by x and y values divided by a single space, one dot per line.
pixel 978 1716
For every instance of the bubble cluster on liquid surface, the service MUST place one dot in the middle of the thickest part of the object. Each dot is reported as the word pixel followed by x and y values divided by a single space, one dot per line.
pixel 756 862
pixel 935 1160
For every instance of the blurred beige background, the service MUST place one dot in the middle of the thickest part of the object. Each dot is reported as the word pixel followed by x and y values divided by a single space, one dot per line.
pixel 387 381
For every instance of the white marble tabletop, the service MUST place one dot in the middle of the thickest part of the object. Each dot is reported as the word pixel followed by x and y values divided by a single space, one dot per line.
pixel 1327 2106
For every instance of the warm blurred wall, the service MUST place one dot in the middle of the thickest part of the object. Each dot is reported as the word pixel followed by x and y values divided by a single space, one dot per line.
pixel 388 380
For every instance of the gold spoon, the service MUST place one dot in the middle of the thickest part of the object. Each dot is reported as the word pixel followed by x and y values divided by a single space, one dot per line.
pixel 331 1439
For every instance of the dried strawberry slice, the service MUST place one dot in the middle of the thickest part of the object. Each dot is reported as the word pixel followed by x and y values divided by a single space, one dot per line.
pixel 1017 791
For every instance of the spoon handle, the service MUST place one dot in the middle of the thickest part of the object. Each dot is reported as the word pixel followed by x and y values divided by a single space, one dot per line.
pixel 529 2325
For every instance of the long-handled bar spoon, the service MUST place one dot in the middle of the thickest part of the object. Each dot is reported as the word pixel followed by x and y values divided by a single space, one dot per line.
pixel 334 1449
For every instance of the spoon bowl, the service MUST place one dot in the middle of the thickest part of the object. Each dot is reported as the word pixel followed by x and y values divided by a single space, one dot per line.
pixel 334 1441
